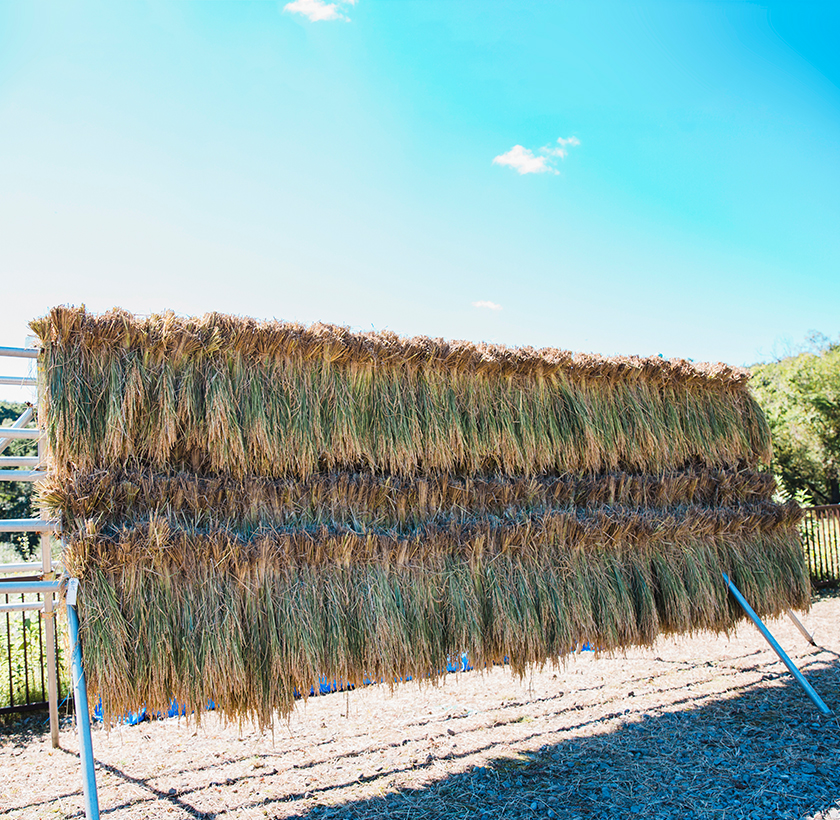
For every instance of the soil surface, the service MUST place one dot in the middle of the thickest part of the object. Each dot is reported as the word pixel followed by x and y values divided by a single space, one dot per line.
pixel 697 727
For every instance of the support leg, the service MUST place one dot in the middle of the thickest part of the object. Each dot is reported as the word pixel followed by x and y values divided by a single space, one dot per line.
pixel 798 624
pixel 82 717
pixel 809 690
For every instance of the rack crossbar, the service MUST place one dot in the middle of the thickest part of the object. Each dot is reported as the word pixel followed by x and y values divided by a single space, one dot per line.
pixel 20 422
pixel 19 352
pixel 17 433
pixel 28 587
pixel 19 461
pixel 23 707
pixel 21 607
pixel 11 569
pixel 19 381
pixel 22 475
pixel 28 525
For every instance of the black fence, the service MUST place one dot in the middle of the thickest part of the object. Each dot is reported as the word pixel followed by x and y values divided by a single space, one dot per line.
pixel 23 665
pixel 821 539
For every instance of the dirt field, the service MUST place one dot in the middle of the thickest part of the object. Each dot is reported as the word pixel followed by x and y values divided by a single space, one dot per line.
pixel 702 727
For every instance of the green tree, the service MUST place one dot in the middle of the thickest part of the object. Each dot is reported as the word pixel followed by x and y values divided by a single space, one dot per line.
pixel 800 395
pixel 16 496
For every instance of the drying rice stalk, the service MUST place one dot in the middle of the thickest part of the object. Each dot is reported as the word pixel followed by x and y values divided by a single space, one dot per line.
pixel 250 506
pixel 225 395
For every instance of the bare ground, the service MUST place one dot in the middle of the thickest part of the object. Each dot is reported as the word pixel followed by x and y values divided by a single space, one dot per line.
pixel 700 727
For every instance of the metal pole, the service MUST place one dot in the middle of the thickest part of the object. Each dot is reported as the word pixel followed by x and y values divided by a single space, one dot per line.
pixel 20 422
pixel 49 619
pixel 22 475
pixel 27 567
pixel 82 714
pixel 19 352
pixel 19 432
pixel 22 607
pixel 27 525
pixel 19 381
pixel 800 679
pixel 798 624
pixel 19 461
pixel 16 587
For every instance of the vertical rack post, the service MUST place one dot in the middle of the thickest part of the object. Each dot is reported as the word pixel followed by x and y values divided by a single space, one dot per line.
pixel 82 714
pixel 50 636
pixel 49 603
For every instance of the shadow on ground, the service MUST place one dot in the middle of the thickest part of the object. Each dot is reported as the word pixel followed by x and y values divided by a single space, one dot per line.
pixel 760 753
pixel 757 751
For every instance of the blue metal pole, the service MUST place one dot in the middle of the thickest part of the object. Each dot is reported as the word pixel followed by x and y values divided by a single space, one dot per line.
pixel 800 679
pixel 29 587
pixel 82 717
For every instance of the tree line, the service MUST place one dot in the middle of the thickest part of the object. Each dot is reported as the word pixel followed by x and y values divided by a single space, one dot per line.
pixel 800 395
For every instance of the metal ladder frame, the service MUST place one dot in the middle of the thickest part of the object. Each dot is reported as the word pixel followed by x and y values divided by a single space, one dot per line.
pixel 44 570
pixel 42 580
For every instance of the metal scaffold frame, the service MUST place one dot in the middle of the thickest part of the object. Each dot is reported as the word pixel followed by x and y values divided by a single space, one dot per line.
pixel 43 571
pixel 40 578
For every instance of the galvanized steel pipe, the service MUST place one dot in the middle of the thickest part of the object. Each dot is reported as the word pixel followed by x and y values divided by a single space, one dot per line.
pixel 28 525
pixel 800 678
pixel 19 381
pixel 19 352
pixel 82 718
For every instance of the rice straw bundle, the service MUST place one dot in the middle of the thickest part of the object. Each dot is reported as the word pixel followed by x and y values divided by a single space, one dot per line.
pixel 252 505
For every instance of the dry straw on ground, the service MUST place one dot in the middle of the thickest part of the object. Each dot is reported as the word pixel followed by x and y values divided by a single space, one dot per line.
pixel 250 506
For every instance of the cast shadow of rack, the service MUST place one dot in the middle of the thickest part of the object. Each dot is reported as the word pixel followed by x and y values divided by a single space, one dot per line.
pixel 753 751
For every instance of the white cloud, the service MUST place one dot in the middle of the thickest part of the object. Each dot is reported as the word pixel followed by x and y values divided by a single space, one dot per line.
pixel 317 10
pixel 483 303
pixel 525 161
pixel 561 151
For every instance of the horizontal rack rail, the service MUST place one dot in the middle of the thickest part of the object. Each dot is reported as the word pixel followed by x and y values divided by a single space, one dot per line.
pixel 27 525
pixel 24 707
pixel 27 587
pixel 19 432
pixel 19 352
pixel 19 381
pixel 19 461
pixel 29 566
pixel 22 475
pixel 22 607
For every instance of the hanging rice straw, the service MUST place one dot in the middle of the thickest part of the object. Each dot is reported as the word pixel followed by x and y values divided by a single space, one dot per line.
pixel 251 506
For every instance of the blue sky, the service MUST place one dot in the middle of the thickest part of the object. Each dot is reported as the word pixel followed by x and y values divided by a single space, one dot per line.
pixel 371 168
